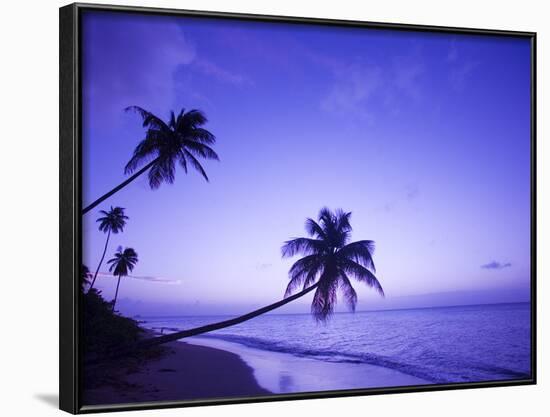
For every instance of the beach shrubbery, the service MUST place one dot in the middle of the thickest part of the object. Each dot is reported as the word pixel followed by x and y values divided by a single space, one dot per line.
pixel 103 330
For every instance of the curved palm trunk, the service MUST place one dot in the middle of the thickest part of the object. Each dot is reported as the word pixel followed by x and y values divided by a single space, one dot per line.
pixel 222 324
pixel 154 341
pixel 119 187
pixel 116 292
pixel 101 261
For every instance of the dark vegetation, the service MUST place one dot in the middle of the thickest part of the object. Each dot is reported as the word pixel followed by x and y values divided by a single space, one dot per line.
pixel 106 334
pixel 103 330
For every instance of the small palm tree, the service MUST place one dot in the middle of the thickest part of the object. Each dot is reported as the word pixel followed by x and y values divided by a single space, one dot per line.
pixel 121 265
pixel 182 140
pixel 329 262
pixel 112 221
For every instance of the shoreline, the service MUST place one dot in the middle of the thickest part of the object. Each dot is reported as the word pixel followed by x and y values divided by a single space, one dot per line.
pixel 181 372
pixel 207 368
pixel 283 373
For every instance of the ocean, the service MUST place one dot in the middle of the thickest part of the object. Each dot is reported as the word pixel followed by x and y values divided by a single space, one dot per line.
pixel 430 345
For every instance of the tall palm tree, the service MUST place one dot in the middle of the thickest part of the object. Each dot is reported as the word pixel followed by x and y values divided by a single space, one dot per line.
pixel 112 221
pixel 121 265
pixel 328 264
pixel 182 140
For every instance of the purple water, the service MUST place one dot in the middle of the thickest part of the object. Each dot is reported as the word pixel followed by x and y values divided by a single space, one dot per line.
pixel 439 345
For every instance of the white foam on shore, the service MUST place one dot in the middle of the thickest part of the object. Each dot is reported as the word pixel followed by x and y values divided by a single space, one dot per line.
pixel 286 373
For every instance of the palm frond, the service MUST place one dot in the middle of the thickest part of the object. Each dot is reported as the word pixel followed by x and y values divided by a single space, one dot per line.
pixel 303 245
pixel 201 135
pixel 172 123
pixel 314 230
pixel 182 160
pixel 147 150
pixel 342 221
pixel 193 118
pixel 196 164
pixel 361 252
pixel 303 269
pixel 341 228
pixel 149 119
pixel 200 149
pixel 327 221
pixel 324 299
pixel 325 215
pixel 362 274
pixel 348 291
pixel 312 276
pixel 163 171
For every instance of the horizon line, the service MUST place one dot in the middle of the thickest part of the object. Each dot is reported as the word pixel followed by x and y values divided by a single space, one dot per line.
pixel 340 312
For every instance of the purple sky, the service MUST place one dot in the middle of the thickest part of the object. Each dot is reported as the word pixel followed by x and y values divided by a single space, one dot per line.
pixel 424 137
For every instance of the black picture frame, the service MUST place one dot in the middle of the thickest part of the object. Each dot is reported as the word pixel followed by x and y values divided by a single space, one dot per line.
pixel 70 206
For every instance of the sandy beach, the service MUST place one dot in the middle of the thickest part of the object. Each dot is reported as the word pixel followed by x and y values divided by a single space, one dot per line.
pixel 181 372
pixel 209 369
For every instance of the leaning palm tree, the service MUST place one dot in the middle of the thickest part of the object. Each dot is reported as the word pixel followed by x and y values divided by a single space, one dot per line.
pixel 121 265
pixel 329 262
pixel 112 221
pixel 182 140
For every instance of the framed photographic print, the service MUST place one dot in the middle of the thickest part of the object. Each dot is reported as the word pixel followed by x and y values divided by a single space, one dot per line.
pixel 259 208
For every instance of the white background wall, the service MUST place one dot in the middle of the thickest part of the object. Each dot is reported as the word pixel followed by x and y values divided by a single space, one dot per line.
pixel 29 209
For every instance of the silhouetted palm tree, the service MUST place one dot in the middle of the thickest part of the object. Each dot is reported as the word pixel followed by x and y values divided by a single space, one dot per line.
pixel 121 265
pixel 182 140
pixel 329 262
pixel 112 221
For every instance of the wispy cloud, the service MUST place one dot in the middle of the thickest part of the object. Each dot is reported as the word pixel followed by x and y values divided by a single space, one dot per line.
pixel 410 193
pixel 136 61
pixel 496 265
pixel 360 87
pixel 143 278
pixel 407 78
pixel 130 62
pixel 220 74
pixel 452 54
pixel 352 91
pixel 407 71
pixel 460 75
pixel 460 67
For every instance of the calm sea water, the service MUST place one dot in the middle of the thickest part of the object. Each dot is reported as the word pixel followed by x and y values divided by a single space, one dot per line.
pixel 439 345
